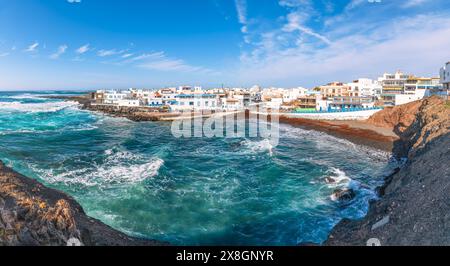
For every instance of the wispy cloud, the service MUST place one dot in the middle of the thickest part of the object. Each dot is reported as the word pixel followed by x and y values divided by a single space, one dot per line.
pixel 83 49
pixel 74 1
pixel 241 9
pixel 368 52
pixel 413 3
pixel 158 61
pixel 127 55
pixel 295 23
pixel 104 53
pixel 61 50
pixel 32 48
pixel 4 54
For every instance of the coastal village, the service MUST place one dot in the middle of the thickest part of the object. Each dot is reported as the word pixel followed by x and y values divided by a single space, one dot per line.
pixel 359 95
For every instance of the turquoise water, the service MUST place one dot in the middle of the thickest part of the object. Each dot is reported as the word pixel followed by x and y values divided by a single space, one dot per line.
pixel 139 179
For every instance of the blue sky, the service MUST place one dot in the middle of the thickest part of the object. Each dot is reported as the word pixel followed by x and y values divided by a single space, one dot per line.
pixel 76 44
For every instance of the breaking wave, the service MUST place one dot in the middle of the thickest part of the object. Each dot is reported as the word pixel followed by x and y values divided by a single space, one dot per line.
pixel 261 146
pixel 118 168
pixel 47 107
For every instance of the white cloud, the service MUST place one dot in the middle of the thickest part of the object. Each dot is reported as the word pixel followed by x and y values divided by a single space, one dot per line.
pixel 83 49
pixel 295 23
pixel 104 53
pixel 4 54
pixel 61 50
pixel 74 1
pixel 160 62
pixel 294 3
pixel 413 3
pixel 155 55
pixel 356 55
pixel 127 55
pixel 32 48
pixel 241 8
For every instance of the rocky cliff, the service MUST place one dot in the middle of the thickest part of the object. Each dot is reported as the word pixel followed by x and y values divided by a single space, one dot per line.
pixel 34 215
pixel 414 208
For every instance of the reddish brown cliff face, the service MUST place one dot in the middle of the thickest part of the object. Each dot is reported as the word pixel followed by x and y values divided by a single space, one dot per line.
pixel 398 118
pixel 414 208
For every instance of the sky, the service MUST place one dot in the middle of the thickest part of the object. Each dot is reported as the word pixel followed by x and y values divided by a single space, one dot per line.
pixel 93 44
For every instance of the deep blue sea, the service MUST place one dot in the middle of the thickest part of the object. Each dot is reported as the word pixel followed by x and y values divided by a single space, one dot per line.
pixel 138 178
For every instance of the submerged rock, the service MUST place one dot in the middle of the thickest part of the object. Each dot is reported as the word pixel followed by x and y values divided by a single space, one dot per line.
pixel 330 180
pixel 343 194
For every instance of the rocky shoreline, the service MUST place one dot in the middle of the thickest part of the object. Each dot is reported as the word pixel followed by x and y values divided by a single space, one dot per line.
pixel 34 215
pixel 414 208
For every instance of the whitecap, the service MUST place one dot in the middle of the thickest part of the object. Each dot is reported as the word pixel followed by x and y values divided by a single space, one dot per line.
pixel 48 107
pixel 25 96
pixel 340 178
pixel 261 146
pixel 118 168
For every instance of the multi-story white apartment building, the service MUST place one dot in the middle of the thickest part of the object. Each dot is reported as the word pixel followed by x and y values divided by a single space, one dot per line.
pixel 393 84
pixel 113 97
pixel 445 78
pixel 290 95
pixel 365 87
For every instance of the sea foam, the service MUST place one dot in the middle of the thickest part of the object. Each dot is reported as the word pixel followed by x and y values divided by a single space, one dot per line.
pixel 48 107
pixel 119 168
pixel 261 146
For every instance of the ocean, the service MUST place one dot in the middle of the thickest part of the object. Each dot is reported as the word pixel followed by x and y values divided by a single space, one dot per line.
pixel 139 179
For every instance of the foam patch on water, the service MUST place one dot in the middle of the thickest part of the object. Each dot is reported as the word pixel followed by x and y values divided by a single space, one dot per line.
pixel 340 178
pixel 118 168
pixel 48 107
pixel 261 146
pixel 25 96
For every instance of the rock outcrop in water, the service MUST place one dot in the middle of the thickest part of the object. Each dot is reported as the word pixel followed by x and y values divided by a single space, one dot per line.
pixel 415 204
pixel 34 215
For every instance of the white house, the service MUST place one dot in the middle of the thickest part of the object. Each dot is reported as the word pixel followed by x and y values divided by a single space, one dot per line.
pixel 113 97
pixel 195 102
pixel 129 102
pixel 291 95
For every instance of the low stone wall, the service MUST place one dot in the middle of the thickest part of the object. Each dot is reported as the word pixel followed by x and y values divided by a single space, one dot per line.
pixel 357 115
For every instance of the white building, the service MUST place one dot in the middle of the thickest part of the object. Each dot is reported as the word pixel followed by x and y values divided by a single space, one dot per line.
pixel 195 102
pixel 445 77
pixel 291 95
pixel 366 87
pixel 129 102
pixel 113 97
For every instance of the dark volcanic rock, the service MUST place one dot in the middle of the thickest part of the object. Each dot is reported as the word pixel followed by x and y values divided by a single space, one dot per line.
pixel 343 194
pixel 330 180
pixel 34 215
